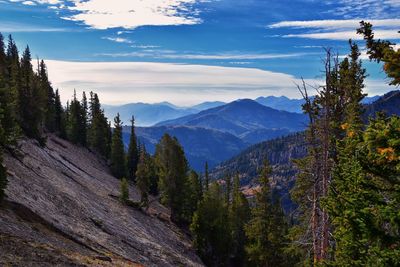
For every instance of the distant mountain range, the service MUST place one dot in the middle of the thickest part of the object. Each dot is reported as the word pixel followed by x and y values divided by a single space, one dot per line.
pixel 218 132
pixel 246 119
pixel 151 114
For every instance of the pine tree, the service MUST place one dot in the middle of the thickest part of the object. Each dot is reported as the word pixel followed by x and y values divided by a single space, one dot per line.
pixel 228 189
pixel 84 118
pixel 12 115
pixel 117 150
pixel 29 99
pixel 172 169
pixel 76 125
pixel 59 116
pixel 195 191
pixel 382 50
pixel 8 98
pixel 124 188
pixel 239 216
pixel 266 229
pixel 133 154
pixel 143 177
pixel 47 98
pixel 206 177
pixel 211 236
pixel 99 129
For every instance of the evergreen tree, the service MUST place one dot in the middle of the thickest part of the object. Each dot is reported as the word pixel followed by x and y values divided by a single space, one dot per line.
pixel 266 229
pixel 206 177
pixel 76 122
pixel 99 129
pixel 59 116
pixel 28 98
pixel 172 169
pixel 84 118
pixel 195 192
pixel 239 216
pixel 211 236
pixel 12 115
pixel 124 188
pixel 143 177
pixel 154 179
pixel 47 98
pixel 228 189
pixel 133 154
pixel 382 51
pixel 117 150
pixel 8 97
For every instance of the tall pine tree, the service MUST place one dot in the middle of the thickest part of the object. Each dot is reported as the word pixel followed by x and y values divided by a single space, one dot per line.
pixel 132 157
pixel 117 150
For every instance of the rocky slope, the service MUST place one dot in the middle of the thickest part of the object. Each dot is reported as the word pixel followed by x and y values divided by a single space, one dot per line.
pixel 62 210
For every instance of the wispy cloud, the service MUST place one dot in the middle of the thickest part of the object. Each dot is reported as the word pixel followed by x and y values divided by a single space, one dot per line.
pixel 118 40
pixel 7 27
pixel 366 8
pixel 168 54
pixel 344 35
pixel 334 24
pixel 339 29
pixel 182 84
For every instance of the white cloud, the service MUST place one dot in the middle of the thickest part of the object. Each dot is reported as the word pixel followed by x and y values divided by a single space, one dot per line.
pixel 335 24
pixel 168 54
pixel 344 35
pixel 339 29
pixel 129 14
pixel 123 82
pixel 29 3
pixel 118 40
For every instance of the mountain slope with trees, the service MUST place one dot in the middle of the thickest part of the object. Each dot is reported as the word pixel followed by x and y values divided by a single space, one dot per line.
pixel 62 207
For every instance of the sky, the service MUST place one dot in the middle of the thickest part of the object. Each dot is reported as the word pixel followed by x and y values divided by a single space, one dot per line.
pixel 189 51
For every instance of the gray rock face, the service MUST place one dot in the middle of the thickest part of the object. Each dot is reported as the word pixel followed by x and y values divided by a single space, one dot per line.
pixel 62 210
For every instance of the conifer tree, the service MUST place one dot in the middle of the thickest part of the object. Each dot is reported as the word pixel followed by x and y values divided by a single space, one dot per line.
pixel 211 236
pixel 133 154
pixel 239 215
pixel 124 188
pixel 206 177
pixel 12 115
pixel 195 192
pixel 143 177
pixel 28 98
pixel 84 118
pixel 172 169
pixel 266 229
pixel 228 189
pixel 59 116
pixel 76 122
pixel 382 51
pixel 99 129
pixel 47 98
pixel 8 97
pixel 117 150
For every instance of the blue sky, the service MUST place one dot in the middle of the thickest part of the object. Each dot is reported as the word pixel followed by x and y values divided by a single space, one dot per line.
pixel 188 51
